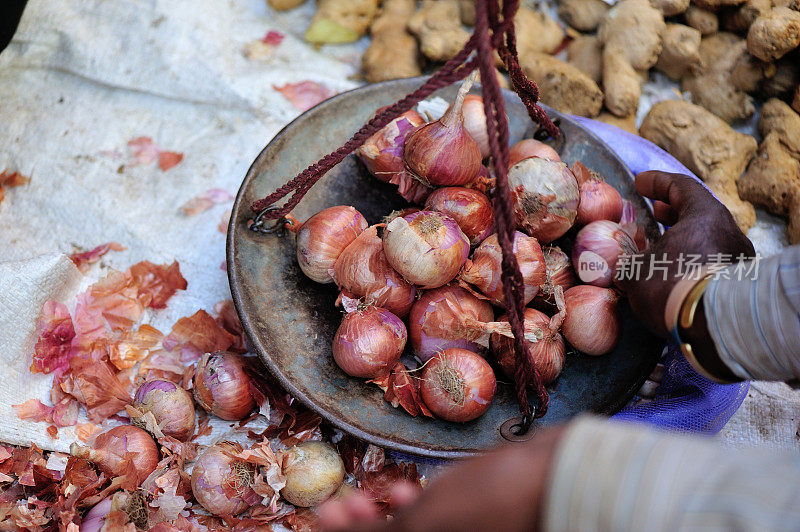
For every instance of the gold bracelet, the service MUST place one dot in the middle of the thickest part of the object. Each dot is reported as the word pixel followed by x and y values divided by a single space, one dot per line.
pixel 686 316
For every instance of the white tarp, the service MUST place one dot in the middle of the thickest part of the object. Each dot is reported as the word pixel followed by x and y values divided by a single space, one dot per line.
pixel 82 78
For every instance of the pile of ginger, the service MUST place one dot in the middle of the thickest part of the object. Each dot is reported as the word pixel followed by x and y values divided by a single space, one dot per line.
pixel 729 57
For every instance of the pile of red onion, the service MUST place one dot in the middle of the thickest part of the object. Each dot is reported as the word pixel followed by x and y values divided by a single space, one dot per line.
pixel 437 264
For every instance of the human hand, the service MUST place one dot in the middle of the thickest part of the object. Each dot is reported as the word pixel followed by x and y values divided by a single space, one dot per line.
pixel 699 225
pixel 502 490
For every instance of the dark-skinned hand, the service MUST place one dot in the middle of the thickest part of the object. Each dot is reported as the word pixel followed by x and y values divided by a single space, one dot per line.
pixel 698 225
pixel 503 490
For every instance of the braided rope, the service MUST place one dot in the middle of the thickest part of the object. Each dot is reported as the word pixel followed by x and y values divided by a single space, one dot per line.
pixel 490 34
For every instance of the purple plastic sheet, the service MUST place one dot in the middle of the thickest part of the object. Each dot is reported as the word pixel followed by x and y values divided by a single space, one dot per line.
pixel 685 400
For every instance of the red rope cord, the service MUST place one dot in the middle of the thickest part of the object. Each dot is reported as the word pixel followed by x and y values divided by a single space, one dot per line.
pixel 513 286
pixel 490 34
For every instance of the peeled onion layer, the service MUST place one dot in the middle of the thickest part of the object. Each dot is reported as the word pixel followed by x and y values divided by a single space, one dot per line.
pixel 545 195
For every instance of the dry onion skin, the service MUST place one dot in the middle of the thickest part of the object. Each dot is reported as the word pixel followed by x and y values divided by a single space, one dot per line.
pixel 222 386
pixel 530 148
pixel 593 324
pixel 427 248
pixel 458 385
pixel 545 345
pixel 314 471
pixel 171 406
pixel 221 483
pixel 111 447
pixel 484 270
pixel 471 209
pixel 445 317
pixel 545 195
pixel 323 237
pixel 369 342
pixel 363 275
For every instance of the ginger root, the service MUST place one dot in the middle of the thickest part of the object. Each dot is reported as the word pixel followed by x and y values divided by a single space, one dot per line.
pixel 393 52
pixel 340 21
pixel 537 32
pixel 585 54
pixel 774 34
pixel 437 25
pixel 628 123
pixel 738 19
pixel 703 20
pixel 563 86
pixel 712 88
pixel 631 34
pixel 773 177
pixel 708 146
pixel 796 99
pixel 681 51
pixel 670 7
pixel 583 15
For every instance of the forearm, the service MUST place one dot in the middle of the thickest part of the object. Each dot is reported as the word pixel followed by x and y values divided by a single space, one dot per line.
pixel 613 476
pixel 754 322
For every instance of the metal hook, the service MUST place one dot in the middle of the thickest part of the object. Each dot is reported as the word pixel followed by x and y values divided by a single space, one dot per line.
pixel 519 429
pixel 278 228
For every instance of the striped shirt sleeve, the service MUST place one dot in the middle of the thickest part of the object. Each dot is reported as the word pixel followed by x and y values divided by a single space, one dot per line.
pixel 624 477
pixel 754 319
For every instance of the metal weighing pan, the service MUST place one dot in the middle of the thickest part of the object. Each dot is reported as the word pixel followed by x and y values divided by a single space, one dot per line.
pixel 291 320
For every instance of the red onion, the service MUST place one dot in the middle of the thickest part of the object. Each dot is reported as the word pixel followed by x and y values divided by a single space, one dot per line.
pixel 597 248
pixel 427 248
pixel 593 324
pixel 222 483
pixel 111 447
pixel 324 236
pixel 363 274
pixel 96 517
pixel 545 197
pixel 171 406
pixel 222 386
pixel 484 270
pixel 443 153
pixel 559 273
pixel 458 385
pixel 314 471
pixel 446 317
pixel 484 182
pixel 599 200
pixel 368 342
pixel 382 154
pixel 545 344
pixel 530 148
pixel 471 210
pixel 475 122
